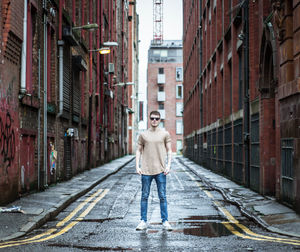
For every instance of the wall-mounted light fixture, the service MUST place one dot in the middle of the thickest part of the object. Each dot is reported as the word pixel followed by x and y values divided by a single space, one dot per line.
pixel 105 47
pixel 88 26
pixel 122 84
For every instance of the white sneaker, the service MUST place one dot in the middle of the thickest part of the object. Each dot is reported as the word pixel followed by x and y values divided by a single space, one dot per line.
pixel 167 226
pixel 142 225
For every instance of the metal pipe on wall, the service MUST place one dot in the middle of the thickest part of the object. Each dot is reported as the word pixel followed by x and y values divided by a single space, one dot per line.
pixel 45 97
pixel 60 61
pixel 24 51
pixel 246 93
pixel 39 121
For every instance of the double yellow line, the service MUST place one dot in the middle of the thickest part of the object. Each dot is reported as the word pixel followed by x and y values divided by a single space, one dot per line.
pixel 55 232
pixel 232 223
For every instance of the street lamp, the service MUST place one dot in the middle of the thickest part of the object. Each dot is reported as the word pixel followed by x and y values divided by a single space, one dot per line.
pixel 122 84
pixel 86 27
pixel 105 49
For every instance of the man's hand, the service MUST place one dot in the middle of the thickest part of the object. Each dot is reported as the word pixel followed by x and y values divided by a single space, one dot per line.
pixel 167 170
pixel 138 171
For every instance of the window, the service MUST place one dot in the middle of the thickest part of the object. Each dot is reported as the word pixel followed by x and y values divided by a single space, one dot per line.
pixel 76 95
pixel 179 127
pixel 31 23
pixel 161 70
pixel 179 108
pixel 162 124
pixel 179 75
pixel 50 42
pixel 141 111
pixel 161 106
pixel 178 146
pixel 164 53
pixel 160 88
pixel 179 91
pixel 240 81
pixel 156 52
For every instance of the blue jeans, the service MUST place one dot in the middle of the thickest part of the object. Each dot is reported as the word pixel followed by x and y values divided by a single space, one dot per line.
pixel 161 181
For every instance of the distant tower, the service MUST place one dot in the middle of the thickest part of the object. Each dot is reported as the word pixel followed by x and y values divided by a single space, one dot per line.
pixel 157 22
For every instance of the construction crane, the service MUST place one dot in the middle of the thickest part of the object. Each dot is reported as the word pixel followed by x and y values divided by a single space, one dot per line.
pixel 157 22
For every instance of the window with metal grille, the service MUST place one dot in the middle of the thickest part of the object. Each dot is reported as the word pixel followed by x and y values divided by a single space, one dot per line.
pixel 240 80
pixel 76 95
pixel 13 48
pixel 67 81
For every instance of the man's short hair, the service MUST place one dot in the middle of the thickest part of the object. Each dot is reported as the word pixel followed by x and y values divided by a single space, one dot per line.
pixel 155 112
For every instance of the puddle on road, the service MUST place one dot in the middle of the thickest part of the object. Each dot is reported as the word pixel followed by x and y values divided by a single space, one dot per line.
pixel 208 229
pixel 204 226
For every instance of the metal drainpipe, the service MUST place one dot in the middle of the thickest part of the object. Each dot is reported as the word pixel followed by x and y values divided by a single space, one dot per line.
pixel 201 84
pixel 246 93
pixel 24 51
pixel 45 96
pixel 60 75
pixel 39 121
pixel 60 61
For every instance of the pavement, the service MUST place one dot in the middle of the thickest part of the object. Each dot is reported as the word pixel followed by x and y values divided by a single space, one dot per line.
pixel 38 208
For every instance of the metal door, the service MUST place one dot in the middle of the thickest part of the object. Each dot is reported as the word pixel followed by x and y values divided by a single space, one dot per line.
pixel 255 158
pixel 28 171
pixel 238 151
pixel 287 174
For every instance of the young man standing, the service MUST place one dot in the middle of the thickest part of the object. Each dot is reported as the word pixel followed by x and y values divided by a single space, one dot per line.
pixel 153 146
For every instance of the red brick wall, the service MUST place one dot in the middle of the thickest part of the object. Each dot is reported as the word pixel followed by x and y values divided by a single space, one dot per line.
pixel 11 21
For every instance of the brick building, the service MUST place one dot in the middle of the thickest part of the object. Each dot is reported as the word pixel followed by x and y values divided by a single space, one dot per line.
pixel 164 87
pixel 241 90
pixel 133 59
pixel 57 90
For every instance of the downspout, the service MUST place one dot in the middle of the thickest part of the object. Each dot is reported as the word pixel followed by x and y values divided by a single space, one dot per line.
pixel 98 69
pixel 246 93
pixel 201 84
pixel 90 127
pixel 60 61
pixel 24 51
pixel 101 66
pixel 39 122
pixel 45 96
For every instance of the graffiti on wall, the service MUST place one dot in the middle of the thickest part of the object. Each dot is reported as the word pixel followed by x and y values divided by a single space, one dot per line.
pixel 7 99
pixel 7 141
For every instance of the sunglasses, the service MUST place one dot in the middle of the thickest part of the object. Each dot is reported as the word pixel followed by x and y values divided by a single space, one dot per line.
pixel 154 118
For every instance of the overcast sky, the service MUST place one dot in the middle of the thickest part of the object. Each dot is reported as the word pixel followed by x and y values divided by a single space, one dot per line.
pixel 172 29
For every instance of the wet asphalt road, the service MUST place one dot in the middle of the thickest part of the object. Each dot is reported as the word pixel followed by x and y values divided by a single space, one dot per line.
pixel 106 217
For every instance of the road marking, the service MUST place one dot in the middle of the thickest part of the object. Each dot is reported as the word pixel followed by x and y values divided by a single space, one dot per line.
pixel 232 221
pixel 50 232
pixel 259 237
pixel 77 209
pixel 181 185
